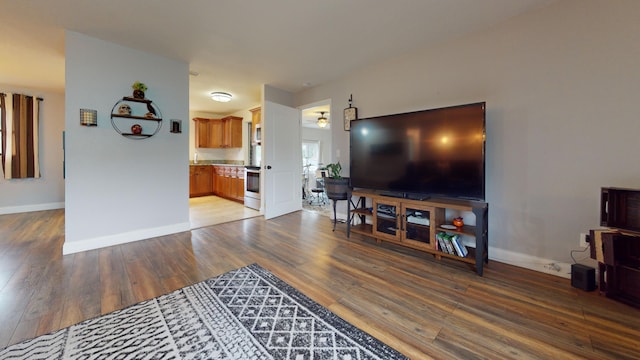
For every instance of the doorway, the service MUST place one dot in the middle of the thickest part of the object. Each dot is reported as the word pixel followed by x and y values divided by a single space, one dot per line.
pixel 316 153
pixel 211 209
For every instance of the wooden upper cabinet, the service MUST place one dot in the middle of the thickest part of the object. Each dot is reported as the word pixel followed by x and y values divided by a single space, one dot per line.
pixel 203 135
pixel 216 131
pixel 256 118
pixel 219 133
pixel 232 137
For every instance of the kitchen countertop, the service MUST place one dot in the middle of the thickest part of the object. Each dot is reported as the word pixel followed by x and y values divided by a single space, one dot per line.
pixel 218 162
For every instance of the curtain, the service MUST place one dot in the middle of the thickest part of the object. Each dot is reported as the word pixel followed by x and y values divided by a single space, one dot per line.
pixel 20 123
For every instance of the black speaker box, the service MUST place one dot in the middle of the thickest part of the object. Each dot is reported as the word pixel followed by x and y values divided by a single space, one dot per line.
pixel 583 277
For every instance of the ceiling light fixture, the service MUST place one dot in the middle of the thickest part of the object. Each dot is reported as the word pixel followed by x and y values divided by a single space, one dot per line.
pixel 221 96
pixel 322 121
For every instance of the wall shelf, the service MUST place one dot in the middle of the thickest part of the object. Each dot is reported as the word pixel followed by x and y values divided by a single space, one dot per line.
pixel 142 112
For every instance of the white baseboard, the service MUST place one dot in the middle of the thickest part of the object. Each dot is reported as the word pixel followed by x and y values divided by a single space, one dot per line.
pixel 530 262
pixel 117 239
pixel 30 208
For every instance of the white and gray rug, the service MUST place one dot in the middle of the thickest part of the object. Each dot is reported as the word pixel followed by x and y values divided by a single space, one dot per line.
pixel 247 313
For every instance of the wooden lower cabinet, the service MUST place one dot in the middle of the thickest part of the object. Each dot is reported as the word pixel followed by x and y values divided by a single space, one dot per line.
pixel 237 186
pixel 220 180
pixel 229 182
pixel 415 223
pixel 200 180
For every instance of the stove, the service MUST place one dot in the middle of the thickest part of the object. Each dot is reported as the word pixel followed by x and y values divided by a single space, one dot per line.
pixel 252 187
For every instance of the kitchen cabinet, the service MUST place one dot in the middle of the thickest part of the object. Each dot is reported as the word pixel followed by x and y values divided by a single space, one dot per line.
pixel 215 134
pixel 232 132
pixel 256 119
pixel 229 182
pixel 219 133
pixel 203 132
pixel 237 185
pixel 221 183
pixel 200 180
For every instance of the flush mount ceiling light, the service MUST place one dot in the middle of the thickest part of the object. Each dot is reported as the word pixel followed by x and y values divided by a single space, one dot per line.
pixel 221 96
pixel 322 121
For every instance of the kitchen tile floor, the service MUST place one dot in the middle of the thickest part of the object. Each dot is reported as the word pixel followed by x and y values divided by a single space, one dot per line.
pixel 213 210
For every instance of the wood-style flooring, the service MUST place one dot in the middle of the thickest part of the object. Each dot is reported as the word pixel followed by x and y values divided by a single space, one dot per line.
pixel 422 307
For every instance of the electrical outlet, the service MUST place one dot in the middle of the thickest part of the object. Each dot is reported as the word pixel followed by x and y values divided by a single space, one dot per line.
pixel 583 240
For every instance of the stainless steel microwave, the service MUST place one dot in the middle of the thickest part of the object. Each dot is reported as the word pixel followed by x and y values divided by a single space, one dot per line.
pixel 257 136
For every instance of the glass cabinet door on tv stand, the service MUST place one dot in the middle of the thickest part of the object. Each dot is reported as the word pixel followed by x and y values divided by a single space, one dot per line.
pixel 416 225
pixel 404 223
pixel 385 219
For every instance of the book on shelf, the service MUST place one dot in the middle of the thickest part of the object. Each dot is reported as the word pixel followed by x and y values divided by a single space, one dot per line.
pixel 451 244
pixel 461 250
pixel 441 245
pixel 445 243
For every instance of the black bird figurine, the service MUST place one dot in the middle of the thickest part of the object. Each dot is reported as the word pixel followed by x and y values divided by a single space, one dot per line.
pixel 151 109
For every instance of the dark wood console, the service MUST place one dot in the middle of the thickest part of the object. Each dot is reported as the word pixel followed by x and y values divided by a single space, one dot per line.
pixel 415 223
pixel 620 266
pixel 617 249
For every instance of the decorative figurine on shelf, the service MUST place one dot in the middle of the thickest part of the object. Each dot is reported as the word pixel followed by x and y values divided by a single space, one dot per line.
pixel 124 109
pixel 458 222
pixel 138 90
pixel 136 129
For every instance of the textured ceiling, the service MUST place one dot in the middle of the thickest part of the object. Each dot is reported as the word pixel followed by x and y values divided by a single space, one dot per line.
pixel 237 45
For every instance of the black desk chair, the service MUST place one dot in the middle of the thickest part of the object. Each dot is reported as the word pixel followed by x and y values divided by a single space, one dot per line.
pixel 318 195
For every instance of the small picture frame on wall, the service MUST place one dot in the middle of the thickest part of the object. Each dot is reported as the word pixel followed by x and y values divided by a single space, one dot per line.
pixel 350 113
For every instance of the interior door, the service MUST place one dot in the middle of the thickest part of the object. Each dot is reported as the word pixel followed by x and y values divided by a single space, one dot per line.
pixel 282 160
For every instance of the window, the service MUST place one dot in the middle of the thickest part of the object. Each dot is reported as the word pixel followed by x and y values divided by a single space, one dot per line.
pixel 19 126
pixel 1 144
pixel 310 161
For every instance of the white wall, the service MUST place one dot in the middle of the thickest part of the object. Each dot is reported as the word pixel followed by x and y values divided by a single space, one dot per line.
pixel 46 192
pixel 119 189
pixel 562 87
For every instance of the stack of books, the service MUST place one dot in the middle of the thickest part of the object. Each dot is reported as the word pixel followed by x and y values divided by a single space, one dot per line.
pixel 451 244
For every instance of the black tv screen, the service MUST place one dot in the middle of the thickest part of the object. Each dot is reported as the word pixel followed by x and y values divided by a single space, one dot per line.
pixel 429 153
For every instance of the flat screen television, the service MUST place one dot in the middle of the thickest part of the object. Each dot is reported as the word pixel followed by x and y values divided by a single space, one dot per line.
pixel 430 153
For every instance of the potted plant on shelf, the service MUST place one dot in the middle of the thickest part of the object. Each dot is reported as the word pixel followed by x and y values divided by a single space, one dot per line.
pixel 138 90
pixel 336 186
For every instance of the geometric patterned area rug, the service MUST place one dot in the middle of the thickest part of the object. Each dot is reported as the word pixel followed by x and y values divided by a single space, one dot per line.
pixel 247 313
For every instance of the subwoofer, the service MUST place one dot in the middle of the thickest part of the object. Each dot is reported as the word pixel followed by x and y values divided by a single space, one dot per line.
pixel 583 277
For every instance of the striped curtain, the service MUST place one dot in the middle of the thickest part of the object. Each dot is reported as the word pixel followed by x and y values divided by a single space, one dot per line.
pixel 20 114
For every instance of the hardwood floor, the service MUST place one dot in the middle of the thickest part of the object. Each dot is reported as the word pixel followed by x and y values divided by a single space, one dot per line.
pixel 422 307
